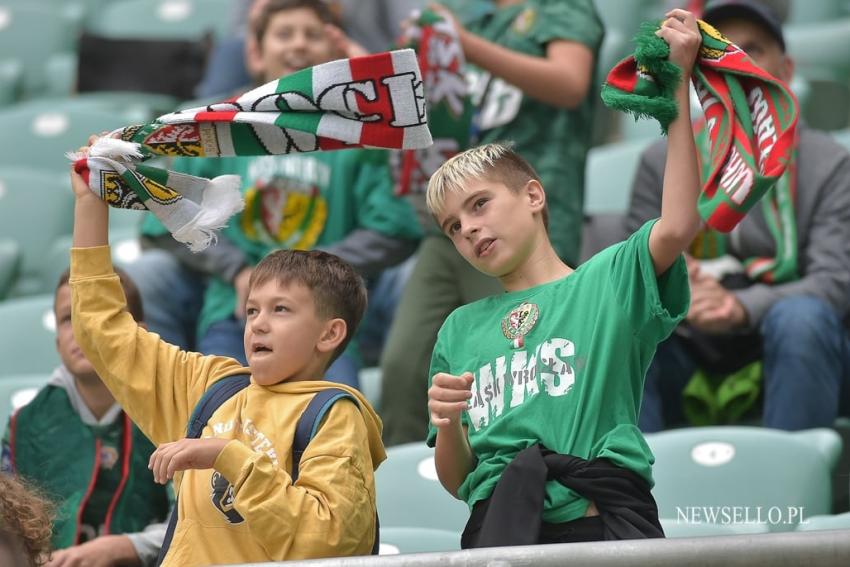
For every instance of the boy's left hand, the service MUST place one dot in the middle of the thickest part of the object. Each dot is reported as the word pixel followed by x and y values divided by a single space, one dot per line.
pixel 681 32
pixel 183 455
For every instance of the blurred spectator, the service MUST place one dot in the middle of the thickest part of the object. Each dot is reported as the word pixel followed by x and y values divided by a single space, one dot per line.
pixel 788 317
pixel 76 444
pixel 337 201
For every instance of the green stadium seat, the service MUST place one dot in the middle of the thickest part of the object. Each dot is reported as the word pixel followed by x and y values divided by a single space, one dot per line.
pixel 161 19
pixel 10 78
pixel 417 540
pixel 826 522
pixel 409 494
pixel 608 176
pixel 35 208
pixel 749 469
pixel 28 336
pixel 39 138
pixel 820 50
pixel 370 384
pixel 30 35
pixel 17 391
pixel 10 259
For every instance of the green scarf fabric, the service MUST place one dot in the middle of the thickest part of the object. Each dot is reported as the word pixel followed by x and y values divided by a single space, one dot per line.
pixel 711 399
pixel 372 101
pixel 751 117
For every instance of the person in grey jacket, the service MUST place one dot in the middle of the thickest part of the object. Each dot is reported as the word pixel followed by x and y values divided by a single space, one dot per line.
pixel 794 327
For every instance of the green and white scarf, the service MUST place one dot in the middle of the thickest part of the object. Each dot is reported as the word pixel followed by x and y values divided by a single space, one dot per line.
pixel 372 101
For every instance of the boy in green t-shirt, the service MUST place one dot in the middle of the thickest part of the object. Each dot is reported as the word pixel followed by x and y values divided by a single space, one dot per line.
pixel 530 68
pixel 545 380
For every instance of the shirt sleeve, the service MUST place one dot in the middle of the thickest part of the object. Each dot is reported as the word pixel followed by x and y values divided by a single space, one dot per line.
pixel 378 208
pixel 571 20
pixel 653 304
pixel 147 543
pixel 332 505
pixel 156 383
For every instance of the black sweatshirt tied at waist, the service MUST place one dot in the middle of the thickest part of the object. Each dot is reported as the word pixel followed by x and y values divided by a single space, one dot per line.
pixel 513 515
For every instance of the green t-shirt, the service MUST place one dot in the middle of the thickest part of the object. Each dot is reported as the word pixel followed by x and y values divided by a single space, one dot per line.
pixel 555 141
pixel 300 201
pixel 575 385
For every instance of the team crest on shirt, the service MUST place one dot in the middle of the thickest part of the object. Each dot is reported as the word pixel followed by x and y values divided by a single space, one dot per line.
pixel 519 322
pixel 108 457
pixel 523 22
pixel 222 498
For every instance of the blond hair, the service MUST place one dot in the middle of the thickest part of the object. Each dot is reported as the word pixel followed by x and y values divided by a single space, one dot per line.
pixel 495 162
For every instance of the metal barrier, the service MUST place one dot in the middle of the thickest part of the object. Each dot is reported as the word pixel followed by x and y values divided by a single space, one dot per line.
pixel 823 549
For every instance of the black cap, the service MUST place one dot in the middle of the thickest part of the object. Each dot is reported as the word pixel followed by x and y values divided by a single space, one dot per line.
pixel 753 10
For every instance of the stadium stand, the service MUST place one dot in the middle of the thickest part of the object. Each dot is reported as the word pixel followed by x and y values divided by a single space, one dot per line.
pixel 35 209
pixel 27 336
pixel 749 469
pixel 17 391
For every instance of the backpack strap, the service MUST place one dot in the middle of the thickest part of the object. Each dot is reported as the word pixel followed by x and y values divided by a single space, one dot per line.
pixel 308 425
pixel 217 394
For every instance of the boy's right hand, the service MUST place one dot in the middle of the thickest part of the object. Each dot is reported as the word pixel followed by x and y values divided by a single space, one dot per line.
pixel 448 396
pixel 681 32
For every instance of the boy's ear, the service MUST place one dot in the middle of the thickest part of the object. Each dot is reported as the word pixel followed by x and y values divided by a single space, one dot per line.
pixel 536 196
pixel 334 333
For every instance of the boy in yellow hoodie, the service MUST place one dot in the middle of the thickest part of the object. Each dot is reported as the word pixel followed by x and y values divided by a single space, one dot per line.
pixel 237 499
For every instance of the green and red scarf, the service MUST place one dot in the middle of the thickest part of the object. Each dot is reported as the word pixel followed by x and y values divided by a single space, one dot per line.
pixel 372 101
pixel 450 109
pixel 751 116
pixel 779 208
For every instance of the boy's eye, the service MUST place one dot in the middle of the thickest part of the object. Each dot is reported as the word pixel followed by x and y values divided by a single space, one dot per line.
pixel 251 311
pixel 454 227
pixel 480 203
pixel 280 308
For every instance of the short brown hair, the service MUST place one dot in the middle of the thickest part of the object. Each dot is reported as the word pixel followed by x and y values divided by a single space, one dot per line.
pixel 26 520
pixel 131 292
pixel 338 290
pixel 272 7
pixel 495 162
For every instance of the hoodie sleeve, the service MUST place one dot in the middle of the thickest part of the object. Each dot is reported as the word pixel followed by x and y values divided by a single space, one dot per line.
pixel 332 505
pixel 156 383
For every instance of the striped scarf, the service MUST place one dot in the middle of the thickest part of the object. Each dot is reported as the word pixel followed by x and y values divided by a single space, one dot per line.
pixel 450 109
pixel 372 101
pixel 751 116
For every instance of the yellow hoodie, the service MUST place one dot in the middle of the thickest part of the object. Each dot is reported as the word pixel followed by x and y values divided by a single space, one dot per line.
pixel 257 513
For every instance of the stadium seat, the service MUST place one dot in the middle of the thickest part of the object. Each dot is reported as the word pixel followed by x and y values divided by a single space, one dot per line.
pixel 162 19
pixel 820 50
pixel 417 540
pixel 808 12
pixel 30 35
pixel 836 522
pixel 17 391
pixel 609 173
pixel 132 107
pixel 35 208
pixel 28 336
pixel 39 138
pixel 10 259
pixel 409 494
pixel 842 137
pixel 370 384
pixel 750 469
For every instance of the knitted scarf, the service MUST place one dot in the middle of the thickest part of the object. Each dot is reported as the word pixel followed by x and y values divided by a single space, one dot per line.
pixel 372 101
pixel 449 107
pixel 751 116
pixel 779 213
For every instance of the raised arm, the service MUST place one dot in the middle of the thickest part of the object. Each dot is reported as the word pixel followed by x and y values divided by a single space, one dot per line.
pixel 680 221
pixel 157 384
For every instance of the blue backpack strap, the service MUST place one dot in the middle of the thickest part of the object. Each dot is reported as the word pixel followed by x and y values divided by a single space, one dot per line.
pixel 217 394
pixel 308 425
